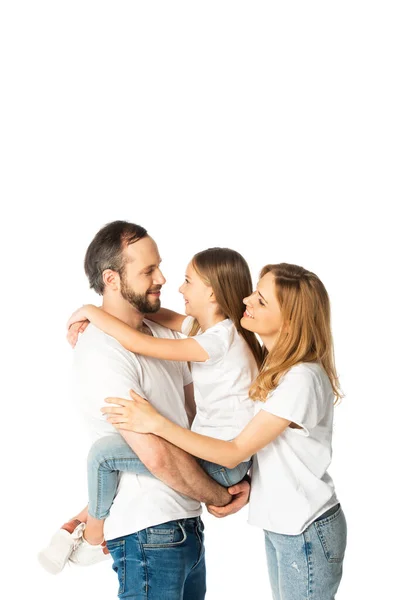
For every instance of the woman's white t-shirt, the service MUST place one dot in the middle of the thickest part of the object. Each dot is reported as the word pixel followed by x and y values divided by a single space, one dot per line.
pixel 222 382
pixel 290 484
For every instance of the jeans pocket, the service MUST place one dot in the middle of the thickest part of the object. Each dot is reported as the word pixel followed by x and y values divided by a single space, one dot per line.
pixel 117 551
pixel 165 537
pixel 332 533
pixel 200 526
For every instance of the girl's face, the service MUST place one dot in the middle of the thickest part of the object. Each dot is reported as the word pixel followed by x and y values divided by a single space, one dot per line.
pixel 196 294
pixel 263 314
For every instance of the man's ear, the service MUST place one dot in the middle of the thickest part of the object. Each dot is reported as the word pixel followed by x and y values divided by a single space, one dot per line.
pixel 111 280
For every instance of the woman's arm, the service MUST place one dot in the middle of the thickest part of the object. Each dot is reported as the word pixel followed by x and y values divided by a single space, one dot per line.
pixel 135 341
pixel 139 415
pixel 168 318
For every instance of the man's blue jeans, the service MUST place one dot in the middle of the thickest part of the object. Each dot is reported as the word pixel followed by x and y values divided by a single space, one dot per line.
pixel 165 562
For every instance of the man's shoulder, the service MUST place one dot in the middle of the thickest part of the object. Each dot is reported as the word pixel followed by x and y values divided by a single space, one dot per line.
pixel 94 344
pixel 161 331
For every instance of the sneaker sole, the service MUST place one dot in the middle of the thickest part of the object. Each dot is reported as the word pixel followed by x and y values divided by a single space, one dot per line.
pixel 49 565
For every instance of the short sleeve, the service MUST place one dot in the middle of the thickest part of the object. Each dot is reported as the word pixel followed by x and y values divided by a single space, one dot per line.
pixel 187 325
pixel 297 398
pixel 215 342
pixel 187 376
pixel 97 376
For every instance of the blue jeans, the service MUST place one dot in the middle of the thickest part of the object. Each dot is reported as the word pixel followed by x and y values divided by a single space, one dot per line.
pixel 111 454
pixel 308 566
pixel 165 562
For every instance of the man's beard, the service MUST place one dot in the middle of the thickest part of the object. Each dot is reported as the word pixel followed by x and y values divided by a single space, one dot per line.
pixel 139 301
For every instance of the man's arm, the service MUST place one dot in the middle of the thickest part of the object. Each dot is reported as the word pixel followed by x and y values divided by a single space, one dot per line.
pixel 113 373
pixel 190 404
pixel 176 468
pixel 240 496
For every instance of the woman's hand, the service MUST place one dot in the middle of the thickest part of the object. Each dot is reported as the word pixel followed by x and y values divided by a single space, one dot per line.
pixel 75 330
pixel 133 415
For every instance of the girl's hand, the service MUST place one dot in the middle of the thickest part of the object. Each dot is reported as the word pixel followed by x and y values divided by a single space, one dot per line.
pixel 133 415
pixel 75 330
pixel 78 316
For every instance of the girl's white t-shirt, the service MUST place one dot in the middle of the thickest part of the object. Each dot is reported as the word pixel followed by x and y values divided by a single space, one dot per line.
pixel 222 382
pixel 290 484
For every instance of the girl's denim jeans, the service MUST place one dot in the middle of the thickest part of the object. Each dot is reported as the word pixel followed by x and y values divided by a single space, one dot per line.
pixel 308 566
pixel 111 454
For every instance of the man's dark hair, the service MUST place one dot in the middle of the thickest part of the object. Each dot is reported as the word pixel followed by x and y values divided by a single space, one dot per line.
pixel 106 250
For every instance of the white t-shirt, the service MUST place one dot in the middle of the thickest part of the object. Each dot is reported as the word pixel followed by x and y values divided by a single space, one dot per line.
pixel 222 382
pixel 102 368
pixel 290 484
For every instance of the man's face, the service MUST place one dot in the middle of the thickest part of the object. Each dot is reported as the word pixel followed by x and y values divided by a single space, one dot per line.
pixel 141 280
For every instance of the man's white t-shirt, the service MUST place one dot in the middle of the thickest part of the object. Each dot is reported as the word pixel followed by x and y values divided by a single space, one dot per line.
pixel 102 368
pixel 222 382
pixel 290 484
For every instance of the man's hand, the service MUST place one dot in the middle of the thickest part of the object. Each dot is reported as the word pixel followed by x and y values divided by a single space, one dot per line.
pixel 240 496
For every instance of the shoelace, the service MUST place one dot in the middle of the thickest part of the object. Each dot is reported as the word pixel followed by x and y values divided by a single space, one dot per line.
pixel 77 534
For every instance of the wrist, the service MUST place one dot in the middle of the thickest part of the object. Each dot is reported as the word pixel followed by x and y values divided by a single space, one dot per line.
pixel 160 425
pixel 224 498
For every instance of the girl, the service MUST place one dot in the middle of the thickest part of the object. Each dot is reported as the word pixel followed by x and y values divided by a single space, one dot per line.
pixel 224 357
pixel 293 498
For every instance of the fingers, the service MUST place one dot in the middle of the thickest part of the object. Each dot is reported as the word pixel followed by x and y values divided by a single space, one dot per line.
pixel 136 396
pixel 72 338
pixel 218 511
pixel 117 419
pixel 242 486
pixel 83 326
pixel 113 410
pixel 74 330
pixel 119 401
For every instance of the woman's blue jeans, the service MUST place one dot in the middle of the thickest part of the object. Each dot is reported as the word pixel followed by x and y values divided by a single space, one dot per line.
pixel 111 454
pixel 308 566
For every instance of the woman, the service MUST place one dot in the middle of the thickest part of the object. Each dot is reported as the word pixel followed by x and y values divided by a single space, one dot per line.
pixel 293 498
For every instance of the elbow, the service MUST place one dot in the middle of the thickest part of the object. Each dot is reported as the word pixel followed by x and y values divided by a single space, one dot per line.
pixel 234 457
pixel 231 463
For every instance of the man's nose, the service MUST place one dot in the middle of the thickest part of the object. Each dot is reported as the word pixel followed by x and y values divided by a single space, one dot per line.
pixel 159 278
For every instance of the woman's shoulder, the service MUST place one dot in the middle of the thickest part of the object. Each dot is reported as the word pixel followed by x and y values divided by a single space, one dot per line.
pixel 306 372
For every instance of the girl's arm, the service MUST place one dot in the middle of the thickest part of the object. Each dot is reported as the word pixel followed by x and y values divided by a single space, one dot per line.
pixel 140 343
pixel 139 415
pixel 168 318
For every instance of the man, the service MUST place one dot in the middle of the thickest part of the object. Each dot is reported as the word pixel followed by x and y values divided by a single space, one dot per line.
pixel 154 532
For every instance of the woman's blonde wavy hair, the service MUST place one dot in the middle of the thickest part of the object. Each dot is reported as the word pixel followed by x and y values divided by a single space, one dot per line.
pixel 306 337
pixel 227 272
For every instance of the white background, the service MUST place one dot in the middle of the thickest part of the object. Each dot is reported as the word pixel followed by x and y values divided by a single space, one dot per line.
pixel 270 129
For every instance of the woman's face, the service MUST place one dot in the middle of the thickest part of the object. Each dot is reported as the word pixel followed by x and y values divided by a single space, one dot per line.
pixel 263 314
pixel 196 293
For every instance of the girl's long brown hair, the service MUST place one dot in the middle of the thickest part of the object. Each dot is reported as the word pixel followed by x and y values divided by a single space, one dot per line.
pixel 306 335
pixel 227 272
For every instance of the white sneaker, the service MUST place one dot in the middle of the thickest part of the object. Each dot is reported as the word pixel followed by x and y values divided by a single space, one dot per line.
pixel 85 554
pixel 55 556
